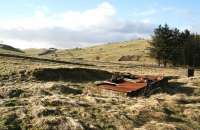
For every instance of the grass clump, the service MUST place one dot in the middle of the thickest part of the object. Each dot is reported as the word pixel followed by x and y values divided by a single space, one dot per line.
pixel 10 122
pixel 13 103
pixel 56 123
pixel 62 89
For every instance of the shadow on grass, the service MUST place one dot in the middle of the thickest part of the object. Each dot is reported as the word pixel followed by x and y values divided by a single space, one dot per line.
pixel 75 75
pixel 176 88
pixel 62 89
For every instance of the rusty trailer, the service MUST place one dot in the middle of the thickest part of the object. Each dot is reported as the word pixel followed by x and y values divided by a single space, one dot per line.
pixel 134 85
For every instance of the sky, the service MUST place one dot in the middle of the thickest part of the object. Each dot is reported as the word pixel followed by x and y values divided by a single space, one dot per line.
pixel 81 23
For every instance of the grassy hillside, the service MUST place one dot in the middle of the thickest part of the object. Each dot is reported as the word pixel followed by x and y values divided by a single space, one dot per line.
pixel 38 94
pixel 33 51
pixel 108 52
pixel 6 49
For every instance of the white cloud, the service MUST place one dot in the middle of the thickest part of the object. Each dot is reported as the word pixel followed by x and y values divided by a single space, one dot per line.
pixel 71 28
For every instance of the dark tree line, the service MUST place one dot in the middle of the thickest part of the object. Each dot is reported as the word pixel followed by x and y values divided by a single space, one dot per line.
pixel 174 47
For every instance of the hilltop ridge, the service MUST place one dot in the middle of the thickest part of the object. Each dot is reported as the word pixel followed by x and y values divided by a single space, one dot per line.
pixel 9 49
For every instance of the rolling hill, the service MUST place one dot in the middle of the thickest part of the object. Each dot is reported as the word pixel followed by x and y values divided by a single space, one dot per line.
pixel 9 49
pixel 137 51
pixel 134 51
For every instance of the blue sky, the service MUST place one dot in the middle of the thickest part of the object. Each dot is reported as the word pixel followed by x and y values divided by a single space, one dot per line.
pixel 77 23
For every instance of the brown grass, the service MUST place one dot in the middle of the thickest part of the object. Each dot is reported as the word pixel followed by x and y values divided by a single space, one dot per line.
pixel 35 104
